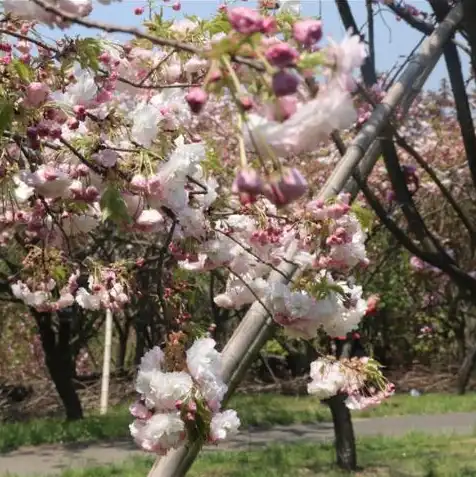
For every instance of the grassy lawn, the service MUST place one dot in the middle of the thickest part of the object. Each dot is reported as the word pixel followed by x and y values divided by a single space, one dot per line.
pixel 254 410
pixel 412 456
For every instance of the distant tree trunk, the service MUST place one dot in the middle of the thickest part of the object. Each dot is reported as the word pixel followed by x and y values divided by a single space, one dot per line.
pixel 464 372
pixel 59 359
pixel 121 354
pixel 346 452
pixel 140 340
pixel 124 334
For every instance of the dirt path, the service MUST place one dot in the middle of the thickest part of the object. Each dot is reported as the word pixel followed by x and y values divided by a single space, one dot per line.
pixel 47 460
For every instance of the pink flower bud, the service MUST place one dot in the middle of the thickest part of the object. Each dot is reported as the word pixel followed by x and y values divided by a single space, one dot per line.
pixel 215 75
pixel 282 55
pixel 289 188
pixel 55 132
pixel 103 97
pixel 307 32
pixel 269 25
pixel 80 112
pixel 177 6
pixel 285 83
pixel 91 193
pixel 43 130
pixel 138 10
pixel 73 124
pixel 245 20
pixel 6 60
pixel 246 103
pixel 196 99
pixel 248 181
pixel 82 170
pixel 6 47
pixel 247 199
pixel 32 132
pixel 105 58
pixel 50 174
pixel 36 94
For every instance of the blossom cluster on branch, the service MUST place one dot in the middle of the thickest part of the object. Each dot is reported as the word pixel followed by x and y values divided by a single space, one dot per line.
pixel 188 136
pixel 358 379
pixel 181 394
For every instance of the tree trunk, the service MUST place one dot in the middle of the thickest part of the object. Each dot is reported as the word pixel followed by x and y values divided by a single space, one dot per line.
pixel 140 330
pixel 464 372
pixel 59 359
pixel 121 352
pixel 346 454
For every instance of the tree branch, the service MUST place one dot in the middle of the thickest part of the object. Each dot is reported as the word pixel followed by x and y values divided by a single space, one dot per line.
pixel 463 110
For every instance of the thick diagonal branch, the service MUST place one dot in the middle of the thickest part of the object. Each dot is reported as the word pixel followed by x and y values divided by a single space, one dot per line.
pixel 469 24
pixel 463 109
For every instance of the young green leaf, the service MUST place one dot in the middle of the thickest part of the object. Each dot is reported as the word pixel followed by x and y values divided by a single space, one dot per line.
pixel 113 207
pixel 6 115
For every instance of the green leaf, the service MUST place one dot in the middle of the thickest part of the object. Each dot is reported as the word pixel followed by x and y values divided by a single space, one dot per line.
pixel 88 50
pixel 59 273
pixel 6 115
pixel 218 24
pixel 212 162
pixel 223 47
pixel 23 71
pixel 310 61
pixel 364 216
pixel 113 207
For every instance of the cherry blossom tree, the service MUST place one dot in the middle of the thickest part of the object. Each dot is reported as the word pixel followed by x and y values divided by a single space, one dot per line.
pixel 189 138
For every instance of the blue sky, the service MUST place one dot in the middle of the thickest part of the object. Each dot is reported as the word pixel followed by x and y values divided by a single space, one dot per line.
pixel 394 40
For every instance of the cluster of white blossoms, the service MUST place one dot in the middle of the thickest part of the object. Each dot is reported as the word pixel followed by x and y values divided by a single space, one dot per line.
pixel 183 404
pixel 352 378
pixel 311 124
pixel 302 314
pixel 251 252
pixel 331 377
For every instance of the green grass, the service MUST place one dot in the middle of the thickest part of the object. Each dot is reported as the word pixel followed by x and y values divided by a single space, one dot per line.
pixel 271 409
pixel 255 410
pixel 411 456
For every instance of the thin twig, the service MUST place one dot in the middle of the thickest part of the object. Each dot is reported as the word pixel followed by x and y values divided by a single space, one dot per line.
pixel 112 28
